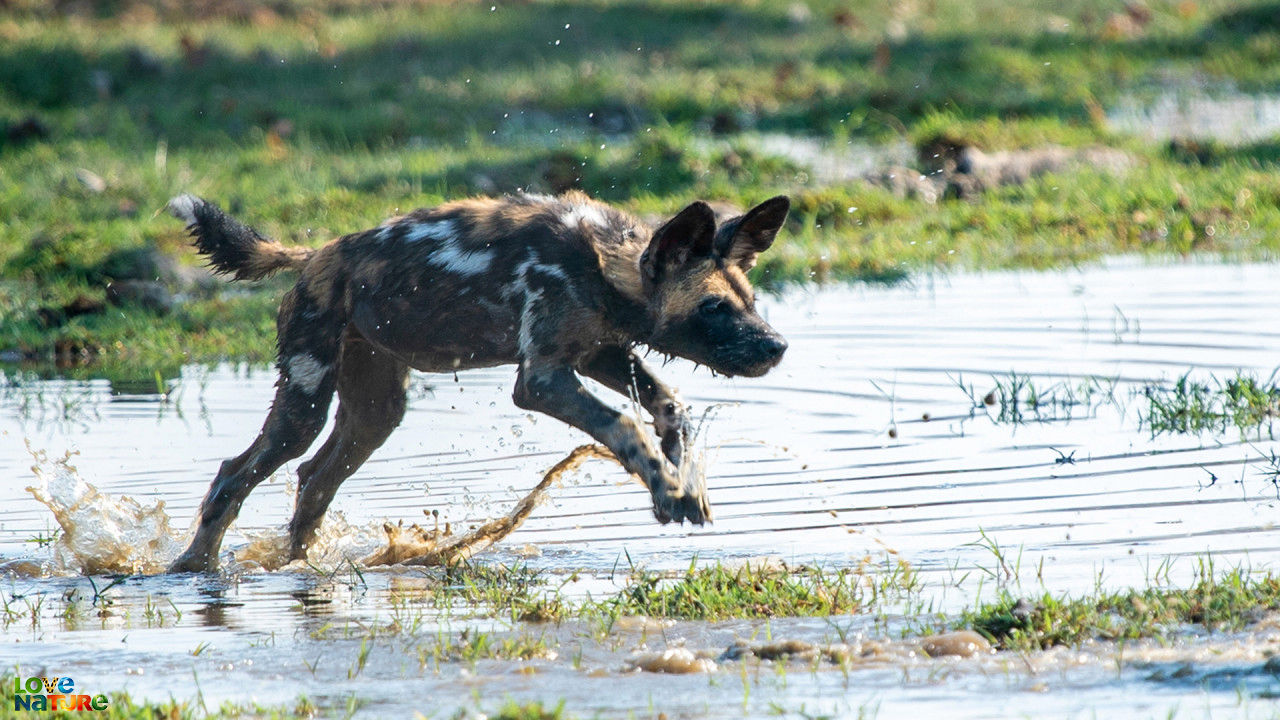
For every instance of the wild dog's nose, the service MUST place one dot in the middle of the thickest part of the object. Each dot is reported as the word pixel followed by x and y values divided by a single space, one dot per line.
pixel 774 346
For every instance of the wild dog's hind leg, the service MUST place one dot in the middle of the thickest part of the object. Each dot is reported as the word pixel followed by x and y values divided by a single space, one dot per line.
pixel 371 403
pixel 618 369
pixel 308 339
pixel 556 391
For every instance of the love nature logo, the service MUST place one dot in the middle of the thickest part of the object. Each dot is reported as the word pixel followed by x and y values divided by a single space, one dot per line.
pixel 53 693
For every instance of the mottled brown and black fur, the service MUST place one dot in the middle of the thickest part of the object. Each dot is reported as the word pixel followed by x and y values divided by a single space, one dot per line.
pixel 560 286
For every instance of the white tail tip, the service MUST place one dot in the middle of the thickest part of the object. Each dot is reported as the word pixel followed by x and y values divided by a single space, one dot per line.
pixel 184 207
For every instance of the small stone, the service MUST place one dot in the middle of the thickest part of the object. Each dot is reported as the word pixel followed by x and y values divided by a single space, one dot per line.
pixel 798 13
pixel 91 180
pixel 783 649
pixel 673 660
pixel 961 643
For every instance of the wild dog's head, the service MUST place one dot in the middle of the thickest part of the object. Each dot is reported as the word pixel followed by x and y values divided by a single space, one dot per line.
pixel 695 280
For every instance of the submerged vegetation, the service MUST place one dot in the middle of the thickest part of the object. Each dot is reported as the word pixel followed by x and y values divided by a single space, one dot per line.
pixel 648 607
pixel 1188 405
pixel 1195 406
pixel 717 592
pixel 1216 601
pixel 312 118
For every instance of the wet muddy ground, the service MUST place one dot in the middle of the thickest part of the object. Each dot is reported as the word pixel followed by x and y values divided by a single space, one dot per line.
pixel 872 440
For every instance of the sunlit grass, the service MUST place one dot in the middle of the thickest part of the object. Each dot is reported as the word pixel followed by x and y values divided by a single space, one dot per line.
pixel 1215 601
pixel 315 119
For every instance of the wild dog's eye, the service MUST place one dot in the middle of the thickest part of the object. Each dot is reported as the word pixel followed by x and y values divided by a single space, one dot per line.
pixel 714 306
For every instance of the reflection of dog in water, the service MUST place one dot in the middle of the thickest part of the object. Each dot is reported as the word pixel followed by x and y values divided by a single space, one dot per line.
pixel 561 286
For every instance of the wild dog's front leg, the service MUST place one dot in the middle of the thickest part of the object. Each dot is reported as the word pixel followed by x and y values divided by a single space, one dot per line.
pixel 556 391
pixel 618 369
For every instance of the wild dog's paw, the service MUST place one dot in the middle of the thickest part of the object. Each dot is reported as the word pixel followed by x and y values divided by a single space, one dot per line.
pixel 192 561
pixel 680 500
pixel 673 427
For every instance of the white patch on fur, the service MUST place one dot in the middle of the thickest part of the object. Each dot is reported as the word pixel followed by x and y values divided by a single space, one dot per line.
pixel 306 372
pixel 552 270
pixel 439 230
pixel 184 206
pixel 456 259
pixel 525 333
pixel 532 265
pixel 449 254
pixel 531 298
pixel 590 214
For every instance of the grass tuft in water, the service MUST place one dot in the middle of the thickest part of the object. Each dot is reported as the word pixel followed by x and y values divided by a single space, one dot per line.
pixel 512 710
pixel 1192 406
pixel 472 646
pixel 1216 602
pixel 1018 399
pixel 718 592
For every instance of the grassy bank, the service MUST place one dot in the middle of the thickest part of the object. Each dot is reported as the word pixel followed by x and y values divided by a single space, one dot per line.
pixel 311 118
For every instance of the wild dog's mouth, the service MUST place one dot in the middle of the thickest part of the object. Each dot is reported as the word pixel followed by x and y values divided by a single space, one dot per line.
pixel 751 358
pixel 742 345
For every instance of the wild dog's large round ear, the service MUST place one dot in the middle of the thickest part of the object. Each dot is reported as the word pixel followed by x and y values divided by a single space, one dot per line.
pixel 741 239
pixel 691 233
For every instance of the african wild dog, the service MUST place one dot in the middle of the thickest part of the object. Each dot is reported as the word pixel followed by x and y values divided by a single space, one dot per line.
pixel 559 285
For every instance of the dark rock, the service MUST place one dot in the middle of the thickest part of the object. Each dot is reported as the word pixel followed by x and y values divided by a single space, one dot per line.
pixel 561 172
pixel 144 293
pixel 1023 610
pixel 51 317
pixel 148 263
pixel 724 123
pixel 139 62
pixel 25 130
pixel 612 119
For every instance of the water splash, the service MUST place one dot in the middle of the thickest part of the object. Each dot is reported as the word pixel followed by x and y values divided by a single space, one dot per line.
pixel 380 544
pixel 104 534
pixel 101 534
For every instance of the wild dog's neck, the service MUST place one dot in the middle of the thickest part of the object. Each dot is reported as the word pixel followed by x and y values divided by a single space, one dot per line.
pixel 620 264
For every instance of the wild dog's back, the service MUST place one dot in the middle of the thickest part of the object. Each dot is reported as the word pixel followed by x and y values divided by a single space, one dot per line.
pixel 449 286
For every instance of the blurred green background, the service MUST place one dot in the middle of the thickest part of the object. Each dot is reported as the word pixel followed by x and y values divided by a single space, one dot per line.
pixel 912 136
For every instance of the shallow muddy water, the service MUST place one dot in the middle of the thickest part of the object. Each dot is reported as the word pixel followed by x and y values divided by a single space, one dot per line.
pixel 870 440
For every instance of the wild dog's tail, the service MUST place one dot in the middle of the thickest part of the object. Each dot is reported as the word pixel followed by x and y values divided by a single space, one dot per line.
pixel 232 247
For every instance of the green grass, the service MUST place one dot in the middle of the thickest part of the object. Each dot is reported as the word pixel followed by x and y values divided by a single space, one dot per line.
pixel 473 646
pixel 1187 405
pixel 320 117
pixel 512 710
pixel 1215 601
pixel 1191 406
pixel 718 593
